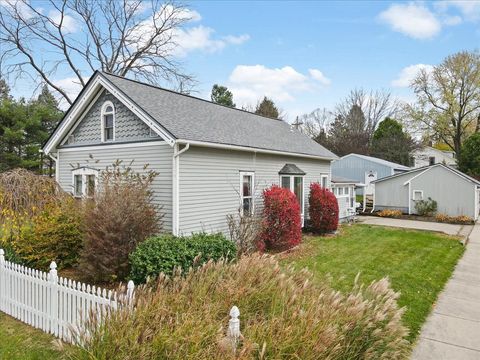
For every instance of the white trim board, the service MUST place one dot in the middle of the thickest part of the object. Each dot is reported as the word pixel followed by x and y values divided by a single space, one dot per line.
pixel 113 146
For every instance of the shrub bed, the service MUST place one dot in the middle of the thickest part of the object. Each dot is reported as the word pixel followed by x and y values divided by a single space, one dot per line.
pixel 323 209
pixel 281 220
pixel 462 219
pixel 389 213
pixel 284 315
pixel 162 254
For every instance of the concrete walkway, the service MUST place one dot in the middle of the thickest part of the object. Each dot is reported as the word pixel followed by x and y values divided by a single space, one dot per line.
pixel 450 229
pixel 452 331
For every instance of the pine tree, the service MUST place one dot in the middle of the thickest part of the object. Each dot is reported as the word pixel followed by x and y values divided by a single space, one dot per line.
pixel 221 95
pixel 267 108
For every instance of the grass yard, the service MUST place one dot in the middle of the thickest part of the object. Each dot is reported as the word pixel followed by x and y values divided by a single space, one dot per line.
pixel 22 342
pixel 418 263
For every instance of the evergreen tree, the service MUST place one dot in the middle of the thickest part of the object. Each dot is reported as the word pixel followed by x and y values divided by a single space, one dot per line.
pixel 221 95
pixel 267 108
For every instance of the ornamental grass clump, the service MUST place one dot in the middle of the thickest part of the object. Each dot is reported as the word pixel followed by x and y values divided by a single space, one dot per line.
pixel 284 314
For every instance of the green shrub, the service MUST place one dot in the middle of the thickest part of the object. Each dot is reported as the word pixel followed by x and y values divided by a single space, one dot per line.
pixel 426 207
pixel 162 254
pixel 285 314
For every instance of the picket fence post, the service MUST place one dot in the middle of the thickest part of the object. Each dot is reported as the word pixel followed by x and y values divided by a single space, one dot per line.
pixel 53 312
pixel 3 277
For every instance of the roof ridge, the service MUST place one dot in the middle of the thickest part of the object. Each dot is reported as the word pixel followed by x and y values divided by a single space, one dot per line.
pixel 192 97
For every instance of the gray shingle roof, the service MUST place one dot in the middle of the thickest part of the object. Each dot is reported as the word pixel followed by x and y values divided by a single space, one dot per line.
pixel 190 118
pixel 291 169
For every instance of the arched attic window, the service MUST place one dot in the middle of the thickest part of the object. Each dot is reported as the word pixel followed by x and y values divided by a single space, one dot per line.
pixel 108 121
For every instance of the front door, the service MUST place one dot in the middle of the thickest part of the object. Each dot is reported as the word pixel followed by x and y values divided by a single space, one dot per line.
pixel 369 177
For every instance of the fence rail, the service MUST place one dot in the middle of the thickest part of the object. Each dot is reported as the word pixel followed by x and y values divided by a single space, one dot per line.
pixel 54 304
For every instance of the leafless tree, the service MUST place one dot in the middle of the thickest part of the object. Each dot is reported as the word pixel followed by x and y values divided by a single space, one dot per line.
pixel 124 37
pixel 375 105
pixel 316 123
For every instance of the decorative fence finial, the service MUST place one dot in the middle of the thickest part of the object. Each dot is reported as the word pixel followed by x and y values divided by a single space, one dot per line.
pixel 234 327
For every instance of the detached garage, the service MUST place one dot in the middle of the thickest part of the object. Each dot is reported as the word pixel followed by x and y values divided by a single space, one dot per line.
pixel 455 192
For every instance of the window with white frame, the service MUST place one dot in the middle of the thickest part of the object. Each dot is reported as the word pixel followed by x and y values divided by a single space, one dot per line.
pixel 246 192
pixel 84 182
pixel 324 181
pixel 108 121
pixel 295 184
pixel 417 195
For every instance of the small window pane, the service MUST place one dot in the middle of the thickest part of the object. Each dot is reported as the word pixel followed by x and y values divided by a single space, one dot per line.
pixel 247 206
pixel 78 185
pixel 286 182
pixel 108 109
pixel 108 121
pixel 109 134
pixel 324 182
pixel 247 185
pixel 346 191
pixel 90 185
pixel 298 190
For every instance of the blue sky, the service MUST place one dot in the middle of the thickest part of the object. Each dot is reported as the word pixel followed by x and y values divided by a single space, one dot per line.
pixel 309 54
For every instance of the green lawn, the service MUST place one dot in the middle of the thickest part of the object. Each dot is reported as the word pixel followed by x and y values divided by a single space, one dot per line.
pixel 22 342
pixel 418 263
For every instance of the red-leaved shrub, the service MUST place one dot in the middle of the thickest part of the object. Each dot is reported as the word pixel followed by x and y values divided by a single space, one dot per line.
pixel 323 209
pixel 281 222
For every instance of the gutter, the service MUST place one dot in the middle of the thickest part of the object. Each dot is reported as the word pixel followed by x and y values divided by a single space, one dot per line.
pixel 251 149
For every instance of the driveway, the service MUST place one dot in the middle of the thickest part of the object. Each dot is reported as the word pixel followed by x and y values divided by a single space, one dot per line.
pixel 450 229
pixel 452 330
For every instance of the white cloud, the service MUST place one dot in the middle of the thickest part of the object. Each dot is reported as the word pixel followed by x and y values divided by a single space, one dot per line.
pixel 469 9
pixel 452 20
pixel 189 38
pixel 72 86
pixel 17 6
pixel 408 73
pixel 68 25
pixel 249 83
pixel 319 76
pixel 412 19
pixel 202 38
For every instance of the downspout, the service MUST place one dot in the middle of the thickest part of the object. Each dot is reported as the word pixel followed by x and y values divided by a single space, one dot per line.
pixel 55 159
pixel 176 187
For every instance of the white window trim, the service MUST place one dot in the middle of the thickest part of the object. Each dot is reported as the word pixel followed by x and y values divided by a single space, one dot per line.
pixel 292 188
pixel 102 120
pixel 252 196
pixel 324 176
pixel 84 172
pixel 417 191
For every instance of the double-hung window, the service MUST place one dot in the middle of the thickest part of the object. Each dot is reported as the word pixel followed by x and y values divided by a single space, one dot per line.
pixel 247 201
pixel 295 184
pixel 84 182
pixel 108 122
pixel 324 181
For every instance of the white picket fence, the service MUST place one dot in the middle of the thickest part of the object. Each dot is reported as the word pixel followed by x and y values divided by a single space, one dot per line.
pixel 54 304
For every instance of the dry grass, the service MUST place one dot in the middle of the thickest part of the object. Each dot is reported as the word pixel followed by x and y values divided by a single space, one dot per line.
pixel 284 314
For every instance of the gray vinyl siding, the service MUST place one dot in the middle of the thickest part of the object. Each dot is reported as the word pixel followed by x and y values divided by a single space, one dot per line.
pixel 354 168
pixel 128 127
pixel 210 182
pixel 157 154
pixel 392 193
pixel 454 195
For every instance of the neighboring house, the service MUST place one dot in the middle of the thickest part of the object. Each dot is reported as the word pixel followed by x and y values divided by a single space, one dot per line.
pixel 345 191
pixel 365 169
pixel 212 160
pixel 430 156
pixel 455 193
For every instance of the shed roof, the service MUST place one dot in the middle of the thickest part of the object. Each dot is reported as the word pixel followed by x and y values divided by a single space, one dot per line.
pixel 417 172
pixel 380 161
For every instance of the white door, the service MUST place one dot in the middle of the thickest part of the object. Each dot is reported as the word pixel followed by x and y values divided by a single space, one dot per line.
pixel 369 177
